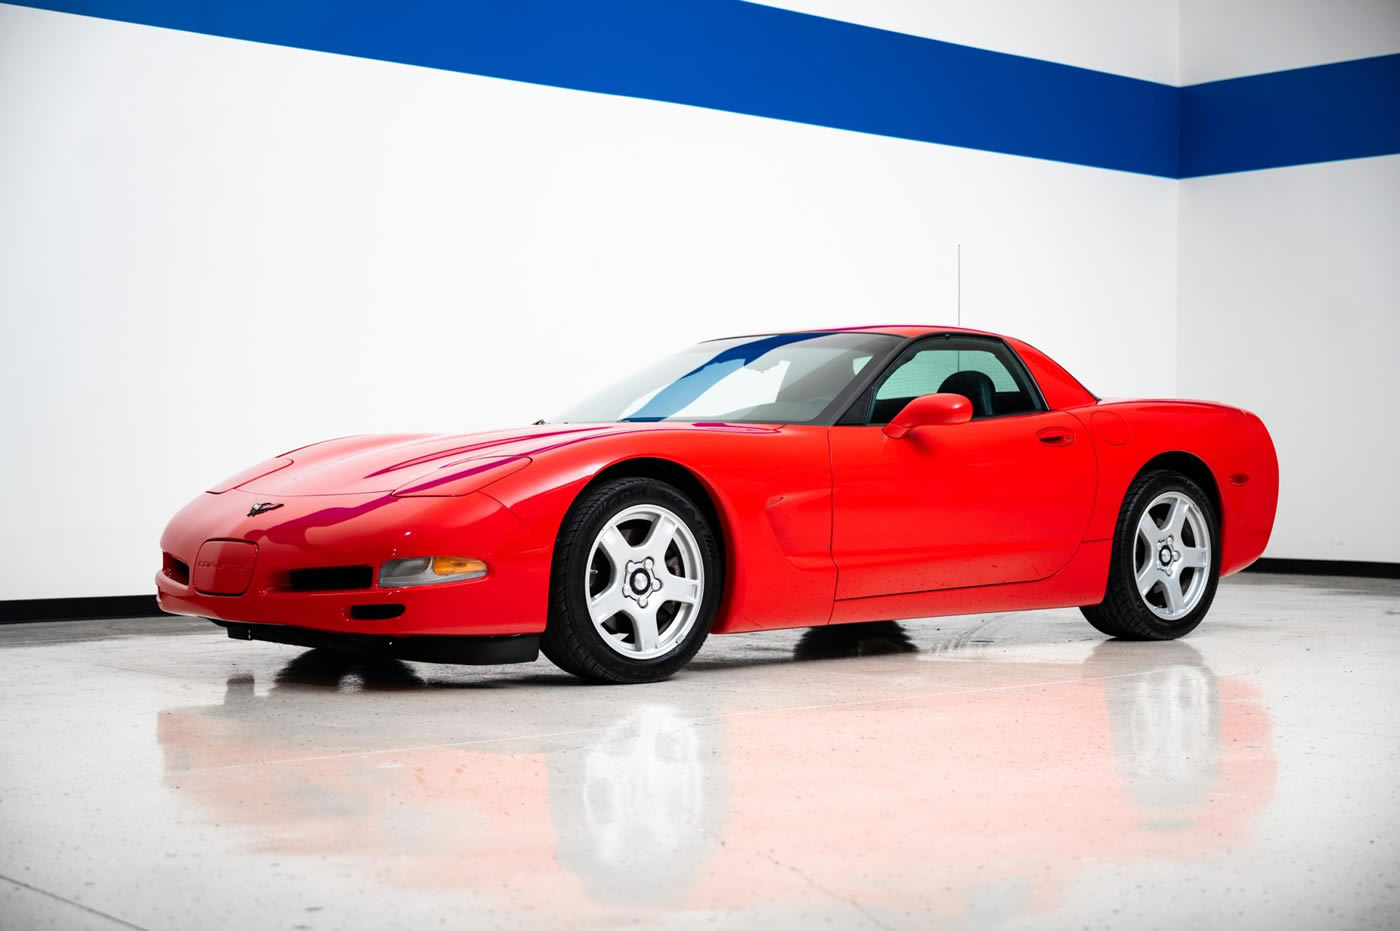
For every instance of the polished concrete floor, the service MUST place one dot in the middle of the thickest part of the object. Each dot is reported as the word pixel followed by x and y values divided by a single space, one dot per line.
pixel 1008 771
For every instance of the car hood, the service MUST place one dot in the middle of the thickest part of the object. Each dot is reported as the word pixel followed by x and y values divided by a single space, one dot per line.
pixel 427 463
pixel 368 464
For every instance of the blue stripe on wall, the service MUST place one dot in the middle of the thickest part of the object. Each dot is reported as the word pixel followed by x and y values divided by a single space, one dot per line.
pixel 1320 114
pixel 726 55
pixel 747 58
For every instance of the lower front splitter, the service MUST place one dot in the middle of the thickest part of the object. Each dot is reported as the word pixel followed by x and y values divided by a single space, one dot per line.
pixel 467 651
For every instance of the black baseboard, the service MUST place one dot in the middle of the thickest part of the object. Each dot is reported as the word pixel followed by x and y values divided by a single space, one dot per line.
pixel 1365 570
pixel 78 609
pixel 119 606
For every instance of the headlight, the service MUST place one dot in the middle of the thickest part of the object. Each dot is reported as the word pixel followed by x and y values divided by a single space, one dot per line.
pixel 429 570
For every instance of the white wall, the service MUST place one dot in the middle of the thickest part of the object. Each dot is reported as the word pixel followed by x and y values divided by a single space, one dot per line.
pixel 1290 286
pixel 1232 38
pixel 212 250
pixel 1137 38
pixel 1289 280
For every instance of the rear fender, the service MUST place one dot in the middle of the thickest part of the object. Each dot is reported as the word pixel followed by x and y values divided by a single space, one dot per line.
pixel 1232 444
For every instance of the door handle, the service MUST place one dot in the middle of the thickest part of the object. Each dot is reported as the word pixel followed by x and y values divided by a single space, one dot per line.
pixel 1055 436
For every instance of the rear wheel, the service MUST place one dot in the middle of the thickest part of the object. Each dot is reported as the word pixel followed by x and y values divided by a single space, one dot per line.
pixel 635 584
pixel 1165 562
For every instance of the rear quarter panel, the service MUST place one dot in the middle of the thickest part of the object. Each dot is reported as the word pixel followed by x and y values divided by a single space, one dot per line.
pixel 1233 444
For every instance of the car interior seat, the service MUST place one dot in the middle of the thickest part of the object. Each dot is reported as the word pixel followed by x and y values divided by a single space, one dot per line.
pixel 977 387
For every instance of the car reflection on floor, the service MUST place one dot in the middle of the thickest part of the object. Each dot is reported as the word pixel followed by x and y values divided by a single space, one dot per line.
pixel 970 788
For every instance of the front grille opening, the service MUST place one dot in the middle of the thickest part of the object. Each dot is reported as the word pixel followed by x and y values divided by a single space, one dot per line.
pixel 330 578
pixel 375 612
pixel 176 569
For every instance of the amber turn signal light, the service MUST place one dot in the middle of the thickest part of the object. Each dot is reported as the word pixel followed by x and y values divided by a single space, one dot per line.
pixel 458 565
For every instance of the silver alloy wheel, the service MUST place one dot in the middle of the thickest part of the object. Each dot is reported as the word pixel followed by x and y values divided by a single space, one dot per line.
pixel 1171 555
pixel 645 581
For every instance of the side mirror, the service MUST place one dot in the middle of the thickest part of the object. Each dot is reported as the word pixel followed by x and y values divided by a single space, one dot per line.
pixel 929 410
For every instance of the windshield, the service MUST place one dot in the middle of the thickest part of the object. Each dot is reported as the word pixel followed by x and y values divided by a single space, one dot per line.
pixel 787 378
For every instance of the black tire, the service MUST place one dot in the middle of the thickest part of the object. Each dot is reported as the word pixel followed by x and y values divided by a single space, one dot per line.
pixel 570 640
pixel 1123 613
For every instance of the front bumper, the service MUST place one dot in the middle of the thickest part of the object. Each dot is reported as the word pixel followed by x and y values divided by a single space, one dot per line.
pixel 318 531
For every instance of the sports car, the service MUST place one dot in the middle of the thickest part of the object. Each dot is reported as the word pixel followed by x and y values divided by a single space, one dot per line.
pixel 751 483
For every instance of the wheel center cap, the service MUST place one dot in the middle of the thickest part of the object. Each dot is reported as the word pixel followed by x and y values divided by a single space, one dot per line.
pixel 1165 555
pixel 642 582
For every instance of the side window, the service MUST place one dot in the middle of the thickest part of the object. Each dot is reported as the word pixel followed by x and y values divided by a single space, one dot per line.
pixel 988 377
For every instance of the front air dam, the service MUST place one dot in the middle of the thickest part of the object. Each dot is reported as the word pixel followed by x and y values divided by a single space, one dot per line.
pixel 465 651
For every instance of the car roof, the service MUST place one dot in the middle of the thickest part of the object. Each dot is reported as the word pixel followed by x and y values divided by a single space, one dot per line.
pixel 893 329
pixel 1059 387
pixel 914 329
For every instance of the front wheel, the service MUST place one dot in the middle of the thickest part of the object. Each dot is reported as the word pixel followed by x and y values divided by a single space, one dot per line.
pixel 1165 562
pixel 635 583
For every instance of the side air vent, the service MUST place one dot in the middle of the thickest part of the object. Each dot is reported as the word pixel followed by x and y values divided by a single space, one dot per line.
pixel 330 579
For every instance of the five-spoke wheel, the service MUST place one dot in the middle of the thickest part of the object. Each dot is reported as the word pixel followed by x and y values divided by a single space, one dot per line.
pixel 1165 562
pixel 635 583
pixel 645 581
pixel 1171 556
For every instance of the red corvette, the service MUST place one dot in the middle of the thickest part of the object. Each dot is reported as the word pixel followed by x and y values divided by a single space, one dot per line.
pixel 787 480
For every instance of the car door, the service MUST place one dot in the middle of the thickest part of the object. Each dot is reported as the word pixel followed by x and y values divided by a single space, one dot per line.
pixel 1004 497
